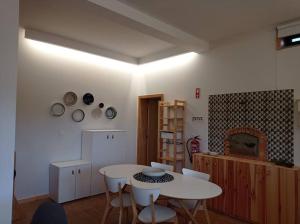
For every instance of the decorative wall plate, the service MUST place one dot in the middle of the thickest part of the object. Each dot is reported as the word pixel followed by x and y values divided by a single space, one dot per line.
pixel 57 109
pixel 78 115
pixel 88 98
pixel 101 105
pixel 70 98
pixel 111 113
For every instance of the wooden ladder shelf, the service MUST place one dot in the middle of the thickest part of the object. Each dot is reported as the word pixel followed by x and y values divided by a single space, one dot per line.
pixel 171 133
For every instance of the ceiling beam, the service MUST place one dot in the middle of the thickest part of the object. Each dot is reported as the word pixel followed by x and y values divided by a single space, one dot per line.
pixel 161 55
pixel 144 23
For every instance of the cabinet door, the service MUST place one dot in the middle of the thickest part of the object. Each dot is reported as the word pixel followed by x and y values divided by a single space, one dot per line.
pixel 258 183
pixel 83 181
pixel 119 147
pixel 206 167
pixel 100 151
pixel 66 184
pixel 288 205
pixel 230 187
pixel 243 191
pixel 218 172
pixel 272 192
pixel 101 157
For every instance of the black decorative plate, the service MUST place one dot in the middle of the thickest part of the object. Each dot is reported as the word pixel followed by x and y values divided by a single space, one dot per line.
pixel 101 105
pixel 88 98
pixel 57 109
pixel 78 115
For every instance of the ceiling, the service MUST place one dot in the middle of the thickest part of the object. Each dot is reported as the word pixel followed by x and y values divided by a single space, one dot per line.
pixel 86 22
pixel 214 20
pixel 208 20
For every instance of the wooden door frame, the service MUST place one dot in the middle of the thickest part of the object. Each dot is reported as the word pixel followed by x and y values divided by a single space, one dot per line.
pixel 139 150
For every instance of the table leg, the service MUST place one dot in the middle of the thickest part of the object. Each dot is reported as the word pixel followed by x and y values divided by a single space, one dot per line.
pixel 206 212
pixel 190 215
pixel 196 209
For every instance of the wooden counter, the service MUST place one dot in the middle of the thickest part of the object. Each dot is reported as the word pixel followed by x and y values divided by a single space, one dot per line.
pixel 254 191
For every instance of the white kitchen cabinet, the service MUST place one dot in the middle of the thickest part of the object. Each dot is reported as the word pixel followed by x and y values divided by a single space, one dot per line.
pixel 70 180
pixel 103 148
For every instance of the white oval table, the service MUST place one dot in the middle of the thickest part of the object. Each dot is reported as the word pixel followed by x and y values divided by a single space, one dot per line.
pixel 181 188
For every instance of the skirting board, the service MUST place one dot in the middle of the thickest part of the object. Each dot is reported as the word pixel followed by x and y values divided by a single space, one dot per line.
pixel 34 198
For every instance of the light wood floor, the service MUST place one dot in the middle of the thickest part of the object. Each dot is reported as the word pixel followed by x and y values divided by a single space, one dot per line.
pixel 90 211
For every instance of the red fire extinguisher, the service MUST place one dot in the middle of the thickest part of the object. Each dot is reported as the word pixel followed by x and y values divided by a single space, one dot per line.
pixel 193 146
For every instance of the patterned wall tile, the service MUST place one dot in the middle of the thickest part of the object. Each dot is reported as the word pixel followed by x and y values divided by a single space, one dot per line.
pixel 269 111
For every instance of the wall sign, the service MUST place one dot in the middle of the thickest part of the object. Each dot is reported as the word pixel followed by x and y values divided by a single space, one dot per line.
pixel 197 118
pixel 197 93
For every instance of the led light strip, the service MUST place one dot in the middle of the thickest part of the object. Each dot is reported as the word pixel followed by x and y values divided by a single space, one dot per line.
pixel 297 39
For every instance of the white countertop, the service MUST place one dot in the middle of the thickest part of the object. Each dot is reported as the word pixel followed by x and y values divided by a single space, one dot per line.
pixel 95 130
pixel 70 163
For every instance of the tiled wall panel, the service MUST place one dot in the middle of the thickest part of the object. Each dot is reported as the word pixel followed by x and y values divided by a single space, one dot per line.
pixel 269 111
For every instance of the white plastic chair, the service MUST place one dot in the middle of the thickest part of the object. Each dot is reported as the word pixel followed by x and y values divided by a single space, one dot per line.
pixel 193 205
pixel 121 200
pixel 162 166
pixel 197 174
pixel 151 213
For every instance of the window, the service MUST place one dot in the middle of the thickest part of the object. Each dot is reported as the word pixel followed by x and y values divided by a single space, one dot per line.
pixel 288 35
pixel 289 41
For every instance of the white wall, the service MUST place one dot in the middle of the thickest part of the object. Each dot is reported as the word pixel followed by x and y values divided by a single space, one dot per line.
pixel 45 74
pixel 8 80
pixel 248 63
pixel 288 69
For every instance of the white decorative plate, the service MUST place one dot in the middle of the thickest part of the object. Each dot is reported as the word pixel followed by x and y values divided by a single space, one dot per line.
pixel 153 172
pixel 78 115
pixel 57 109
pixel 70 98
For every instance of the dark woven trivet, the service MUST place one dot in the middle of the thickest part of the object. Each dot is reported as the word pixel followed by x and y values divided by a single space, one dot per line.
pixel 163 179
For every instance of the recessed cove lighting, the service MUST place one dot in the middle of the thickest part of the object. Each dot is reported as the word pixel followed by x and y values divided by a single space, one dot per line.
pixel 297 39
pixel 80 56
pixel 173 62
pixel 66 42
pixel 69 49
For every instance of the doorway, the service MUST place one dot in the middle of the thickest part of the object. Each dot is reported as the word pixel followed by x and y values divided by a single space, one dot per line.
pixel 147 128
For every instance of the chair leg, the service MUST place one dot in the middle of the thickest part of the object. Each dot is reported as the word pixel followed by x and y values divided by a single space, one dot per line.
pixel 134 220
pixel 120 215
pixel 206 212
pixel 176 220
pixel 106 211
pixel 126 214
